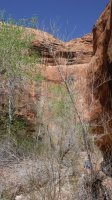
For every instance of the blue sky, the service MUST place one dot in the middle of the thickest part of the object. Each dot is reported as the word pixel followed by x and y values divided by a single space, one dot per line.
pixel 67 19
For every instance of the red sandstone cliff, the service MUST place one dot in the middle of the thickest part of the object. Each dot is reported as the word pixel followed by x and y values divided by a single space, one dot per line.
pixel 91 74
pixel 88 61
pixel 100 74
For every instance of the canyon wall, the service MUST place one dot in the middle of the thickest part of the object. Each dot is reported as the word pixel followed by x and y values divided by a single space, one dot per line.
pixel 85 63
pixel 100 82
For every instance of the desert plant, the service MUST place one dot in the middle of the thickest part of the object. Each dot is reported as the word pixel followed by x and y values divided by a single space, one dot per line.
pixel 14 57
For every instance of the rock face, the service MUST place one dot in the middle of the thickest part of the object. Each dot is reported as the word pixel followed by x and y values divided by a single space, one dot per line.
pixel 87 63
pixel 52 50
pixel 100 74
pixel 82 48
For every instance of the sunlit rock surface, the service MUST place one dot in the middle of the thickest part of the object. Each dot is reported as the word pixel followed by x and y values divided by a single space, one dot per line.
pixel 85 63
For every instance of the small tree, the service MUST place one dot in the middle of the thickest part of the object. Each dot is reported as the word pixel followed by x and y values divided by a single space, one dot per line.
pixel 15 60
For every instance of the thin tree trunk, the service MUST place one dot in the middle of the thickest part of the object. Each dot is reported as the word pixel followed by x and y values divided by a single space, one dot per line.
pixel 10 104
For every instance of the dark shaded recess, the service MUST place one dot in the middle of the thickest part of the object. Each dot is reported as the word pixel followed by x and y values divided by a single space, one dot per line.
pixel 3 71
pixel 66 54
pixel 106 165
pixel 41 51
pixel 45 51
pixel 109 74
pixel 101 89
pixel 36 50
